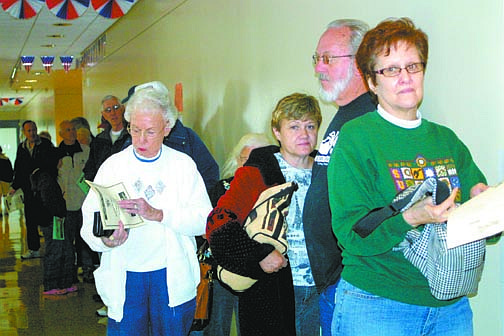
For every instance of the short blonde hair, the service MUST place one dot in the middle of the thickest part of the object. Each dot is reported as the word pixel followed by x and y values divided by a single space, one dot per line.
pixel 297 106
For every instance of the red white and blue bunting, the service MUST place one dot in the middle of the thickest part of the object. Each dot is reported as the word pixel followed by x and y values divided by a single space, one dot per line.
pixel 11 101
pixel 112 9
pixel 22 9
pixel 66 62
pixel 48 62
pixel 66 9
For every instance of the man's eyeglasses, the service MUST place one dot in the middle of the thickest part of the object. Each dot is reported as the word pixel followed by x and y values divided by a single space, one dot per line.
pixel 136 132
pixel 395 71
pixel 114 108
pixel 326 59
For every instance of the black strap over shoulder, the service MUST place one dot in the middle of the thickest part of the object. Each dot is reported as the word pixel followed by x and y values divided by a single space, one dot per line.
pixel 402 202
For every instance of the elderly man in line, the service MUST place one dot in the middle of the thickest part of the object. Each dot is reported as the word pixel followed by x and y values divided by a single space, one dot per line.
pixel 341 84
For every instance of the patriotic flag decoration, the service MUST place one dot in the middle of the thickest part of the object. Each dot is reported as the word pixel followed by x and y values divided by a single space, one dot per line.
pixel 22 9
pixel 47 61
pixel 66 62
pixel 112 9
pixel 67 9
pixel 27 62
pixel 11 101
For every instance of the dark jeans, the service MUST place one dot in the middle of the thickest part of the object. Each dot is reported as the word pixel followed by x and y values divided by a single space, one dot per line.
pixel 32 222
pixel 59 258
pixel 85 256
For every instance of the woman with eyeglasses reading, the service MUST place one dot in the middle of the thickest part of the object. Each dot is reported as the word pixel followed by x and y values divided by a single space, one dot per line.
pixel 377 156
pixel 148 274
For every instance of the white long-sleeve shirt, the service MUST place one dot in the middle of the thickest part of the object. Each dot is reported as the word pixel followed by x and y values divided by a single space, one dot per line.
pixel 170 183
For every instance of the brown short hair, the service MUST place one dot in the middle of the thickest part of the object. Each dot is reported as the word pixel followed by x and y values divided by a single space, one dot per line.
pixel 296 106
pixel 385 35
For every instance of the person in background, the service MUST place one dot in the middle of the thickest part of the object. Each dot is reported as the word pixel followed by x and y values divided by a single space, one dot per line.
pixel 35 152
pixel 185 140
pixel 86 258
pixel 84 136
pixel 341 84
pixel 284 300
pixel 73 157
pixel 111 140
pixel 84 133
pixel 6 174
pixel 148 274
pixel 223 301
pixel 380 292
pixel 45 134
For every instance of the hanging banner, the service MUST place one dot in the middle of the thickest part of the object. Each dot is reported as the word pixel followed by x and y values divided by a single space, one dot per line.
pixel 47 61
pixel 11 101
pixel 66 62
pixel 67 9
pixel 112 9
pixel 22 9
pixel 27 62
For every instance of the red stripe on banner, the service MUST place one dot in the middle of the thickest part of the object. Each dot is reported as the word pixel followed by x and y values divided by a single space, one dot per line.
pixel 7 3
pixel 71 11
pixel 98 3
pixel 28 10
pixel 116 10
pixel 53 3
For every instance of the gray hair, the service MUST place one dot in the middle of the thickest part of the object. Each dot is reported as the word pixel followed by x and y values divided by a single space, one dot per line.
pixel 357 27
pixel 248 140
pixel 108 97
pixel 153 98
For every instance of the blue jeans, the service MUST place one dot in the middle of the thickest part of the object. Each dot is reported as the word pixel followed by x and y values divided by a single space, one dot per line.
pixel 147 303
pixel 359 313
pixel 307 311
pixel 326 303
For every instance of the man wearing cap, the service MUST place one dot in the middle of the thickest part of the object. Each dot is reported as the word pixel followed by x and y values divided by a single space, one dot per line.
pixel 111 140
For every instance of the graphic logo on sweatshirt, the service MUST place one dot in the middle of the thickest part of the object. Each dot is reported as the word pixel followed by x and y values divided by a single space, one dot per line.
pixel 409 173
pixel 326 148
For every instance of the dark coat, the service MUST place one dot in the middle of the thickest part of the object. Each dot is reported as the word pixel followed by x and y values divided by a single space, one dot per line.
pixel 100 149
pixel 48 196
pixel 267 308
pixel 6 171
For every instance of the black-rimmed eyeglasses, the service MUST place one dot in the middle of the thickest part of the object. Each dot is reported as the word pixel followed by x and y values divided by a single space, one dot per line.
pixel 326 59
pixel 395 71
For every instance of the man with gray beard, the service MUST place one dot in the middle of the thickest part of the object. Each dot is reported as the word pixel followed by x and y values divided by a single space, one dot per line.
pixel 341 84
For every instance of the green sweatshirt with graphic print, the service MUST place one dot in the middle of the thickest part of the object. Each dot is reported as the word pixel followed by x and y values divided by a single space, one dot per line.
pixel 372 161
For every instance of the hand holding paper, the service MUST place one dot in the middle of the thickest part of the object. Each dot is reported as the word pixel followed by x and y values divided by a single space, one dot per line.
pixel 478 218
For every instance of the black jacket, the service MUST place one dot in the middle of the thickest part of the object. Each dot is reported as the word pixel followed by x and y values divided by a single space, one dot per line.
pixel 101 148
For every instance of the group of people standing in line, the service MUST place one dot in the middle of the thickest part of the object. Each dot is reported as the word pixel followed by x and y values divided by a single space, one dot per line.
pixel 331 280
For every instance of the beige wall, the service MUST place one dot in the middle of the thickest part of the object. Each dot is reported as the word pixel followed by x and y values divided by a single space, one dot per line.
pixel 237 58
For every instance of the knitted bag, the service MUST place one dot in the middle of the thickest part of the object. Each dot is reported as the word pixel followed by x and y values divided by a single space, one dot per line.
pixel 451 273
pixel 265 223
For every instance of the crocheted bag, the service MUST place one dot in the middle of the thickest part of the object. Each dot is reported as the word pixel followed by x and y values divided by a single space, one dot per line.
pixel 265 223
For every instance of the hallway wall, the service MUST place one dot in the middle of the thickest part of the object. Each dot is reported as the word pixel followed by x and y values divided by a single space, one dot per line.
pixel 236 59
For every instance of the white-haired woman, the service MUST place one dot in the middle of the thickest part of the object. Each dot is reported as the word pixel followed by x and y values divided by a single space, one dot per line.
pixel 148 275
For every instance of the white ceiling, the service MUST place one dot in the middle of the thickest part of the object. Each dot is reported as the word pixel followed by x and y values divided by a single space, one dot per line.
pixel 31 37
